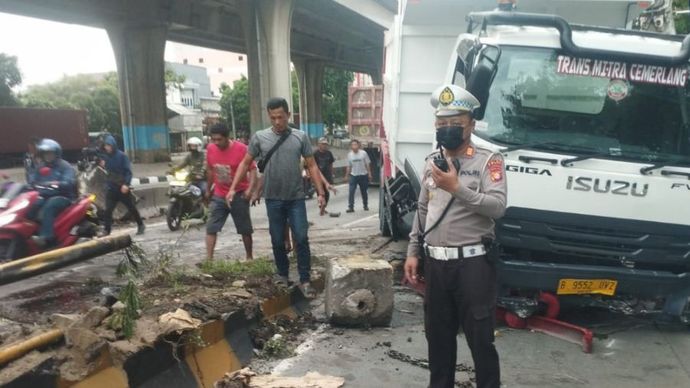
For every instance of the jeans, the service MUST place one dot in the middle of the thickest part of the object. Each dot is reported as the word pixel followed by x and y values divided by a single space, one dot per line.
pixel 50 209
pixel 363 182
pixel 294 212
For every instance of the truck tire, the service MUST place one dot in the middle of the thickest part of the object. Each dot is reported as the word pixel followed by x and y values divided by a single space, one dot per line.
pixel 387 213
pixel 384 213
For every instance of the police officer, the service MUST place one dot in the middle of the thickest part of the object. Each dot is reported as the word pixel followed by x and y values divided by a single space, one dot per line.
pixel 463 191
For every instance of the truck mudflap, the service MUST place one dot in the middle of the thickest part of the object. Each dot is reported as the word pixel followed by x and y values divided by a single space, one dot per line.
pixel 530 275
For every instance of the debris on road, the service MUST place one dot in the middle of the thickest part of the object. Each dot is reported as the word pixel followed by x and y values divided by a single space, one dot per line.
pixel 178 321
pixel 359 291
pixel 423 363
pixel 245 378
pixel 278 337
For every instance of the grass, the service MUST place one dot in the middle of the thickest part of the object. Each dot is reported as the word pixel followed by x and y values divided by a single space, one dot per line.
pixel 276 347
pixel 231 269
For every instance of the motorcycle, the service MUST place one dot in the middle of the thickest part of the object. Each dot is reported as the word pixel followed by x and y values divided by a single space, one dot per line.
pixel 8 191
pixel 186 200
pixel 16 228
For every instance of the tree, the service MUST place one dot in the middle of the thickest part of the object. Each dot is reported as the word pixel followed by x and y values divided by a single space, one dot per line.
pixel 10 76
pixel 295 92
pixel 172 79
pixel 96 93
pixel 682 21
pixel 334 103
pixel 237 99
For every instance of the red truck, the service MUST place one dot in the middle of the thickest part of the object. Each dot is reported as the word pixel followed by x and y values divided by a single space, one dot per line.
pixel 19 125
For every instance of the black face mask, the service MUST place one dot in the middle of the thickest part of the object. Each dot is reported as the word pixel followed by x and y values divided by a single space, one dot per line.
pixel 451 137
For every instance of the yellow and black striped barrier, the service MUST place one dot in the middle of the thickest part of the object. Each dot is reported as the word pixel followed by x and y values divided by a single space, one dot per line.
pixel 47 261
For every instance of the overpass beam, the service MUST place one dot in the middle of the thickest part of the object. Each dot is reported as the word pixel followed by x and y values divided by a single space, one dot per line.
pixel 267 25
pixel 310 76
pixel 139 53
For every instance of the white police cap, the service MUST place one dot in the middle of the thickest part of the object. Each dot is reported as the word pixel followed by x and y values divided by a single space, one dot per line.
pixel 451 100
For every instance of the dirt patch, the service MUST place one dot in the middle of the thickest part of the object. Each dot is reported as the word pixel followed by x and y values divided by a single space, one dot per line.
pixel 205 296
pixel 35 306
pixel 278 337
pixel 29 362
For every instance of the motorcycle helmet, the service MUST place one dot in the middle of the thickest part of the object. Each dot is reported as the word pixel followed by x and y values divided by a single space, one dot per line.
pixel 49 150
pixel 195 144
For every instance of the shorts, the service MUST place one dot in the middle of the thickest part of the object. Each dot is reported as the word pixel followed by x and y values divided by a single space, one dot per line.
pixel 239 211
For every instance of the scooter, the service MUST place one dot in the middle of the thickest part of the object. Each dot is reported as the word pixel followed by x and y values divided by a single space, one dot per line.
pixel 8 191
pixel 186 200
pixel 76 221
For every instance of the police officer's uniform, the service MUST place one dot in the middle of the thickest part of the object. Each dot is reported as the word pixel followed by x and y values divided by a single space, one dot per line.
pixel 460 280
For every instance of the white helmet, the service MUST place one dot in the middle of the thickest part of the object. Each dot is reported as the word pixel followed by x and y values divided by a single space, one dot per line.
pixel 195 141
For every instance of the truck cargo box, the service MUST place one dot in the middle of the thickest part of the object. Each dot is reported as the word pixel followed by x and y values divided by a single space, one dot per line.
pixel 18 125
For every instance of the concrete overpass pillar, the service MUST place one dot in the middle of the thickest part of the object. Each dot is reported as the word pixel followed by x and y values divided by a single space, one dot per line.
pixel 267 25
pixel 310 76
pixel 139 49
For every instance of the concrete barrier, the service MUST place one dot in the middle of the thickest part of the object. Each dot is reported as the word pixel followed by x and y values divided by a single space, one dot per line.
pixel 152 201
pixel 225 346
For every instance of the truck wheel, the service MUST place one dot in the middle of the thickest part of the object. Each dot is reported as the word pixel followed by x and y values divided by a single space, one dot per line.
pixel 174 216
pixel 384 213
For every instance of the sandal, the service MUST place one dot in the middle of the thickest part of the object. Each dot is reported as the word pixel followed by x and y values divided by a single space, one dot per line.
pixel 307 290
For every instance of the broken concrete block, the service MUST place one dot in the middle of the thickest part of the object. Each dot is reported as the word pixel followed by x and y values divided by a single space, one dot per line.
pixel 83 339
pixel 359 291
pixel 93 317
pixel 63 321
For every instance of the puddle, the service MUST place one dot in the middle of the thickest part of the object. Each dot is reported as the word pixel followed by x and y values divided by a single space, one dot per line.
pixel 38 304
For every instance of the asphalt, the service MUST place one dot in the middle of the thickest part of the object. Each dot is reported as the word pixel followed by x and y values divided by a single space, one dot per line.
pixel 628 352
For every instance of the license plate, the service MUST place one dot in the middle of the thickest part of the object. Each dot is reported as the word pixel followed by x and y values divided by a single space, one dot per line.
pixel 587 286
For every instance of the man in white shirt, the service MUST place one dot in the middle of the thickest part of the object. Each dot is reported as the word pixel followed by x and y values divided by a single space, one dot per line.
pixel 359 172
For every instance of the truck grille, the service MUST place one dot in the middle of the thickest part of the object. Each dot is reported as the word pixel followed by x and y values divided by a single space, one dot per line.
pixel 590 240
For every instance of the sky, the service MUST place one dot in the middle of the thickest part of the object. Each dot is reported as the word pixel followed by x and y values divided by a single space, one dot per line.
pixel 48 50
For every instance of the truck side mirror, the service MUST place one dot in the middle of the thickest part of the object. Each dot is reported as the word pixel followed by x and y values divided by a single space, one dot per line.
pixel 483 73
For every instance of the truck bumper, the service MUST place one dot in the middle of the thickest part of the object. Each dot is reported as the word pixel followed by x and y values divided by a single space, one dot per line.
pixel 545 276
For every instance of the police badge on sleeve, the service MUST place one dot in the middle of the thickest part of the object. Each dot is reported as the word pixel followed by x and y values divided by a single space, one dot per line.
pixel 495 170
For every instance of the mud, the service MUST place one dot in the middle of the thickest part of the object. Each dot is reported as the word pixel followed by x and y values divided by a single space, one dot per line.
pixel 29 362
pixel 288 329
pixel 35 306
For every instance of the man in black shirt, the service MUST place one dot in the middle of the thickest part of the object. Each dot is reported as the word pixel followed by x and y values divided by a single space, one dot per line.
pixel 324 160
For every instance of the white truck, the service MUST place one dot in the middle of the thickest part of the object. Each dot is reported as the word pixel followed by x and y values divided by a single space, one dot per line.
pixel 594 126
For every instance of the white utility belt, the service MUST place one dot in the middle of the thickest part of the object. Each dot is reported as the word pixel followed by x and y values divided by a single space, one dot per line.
pixel 455 253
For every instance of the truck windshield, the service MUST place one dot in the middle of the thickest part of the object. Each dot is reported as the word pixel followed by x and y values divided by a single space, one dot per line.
pixel 575 106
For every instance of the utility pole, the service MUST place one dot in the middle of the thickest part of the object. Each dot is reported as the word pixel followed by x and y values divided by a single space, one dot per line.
pixel 232 119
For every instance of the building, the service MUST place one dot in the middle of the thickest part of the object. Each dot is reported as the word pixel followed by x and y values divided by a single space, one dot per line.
pixel 192 107
pixel 221 66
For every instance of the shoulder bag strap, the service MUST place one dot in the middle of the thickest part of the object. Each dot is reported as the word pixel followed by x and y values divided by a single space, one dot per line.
pixel 273 149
